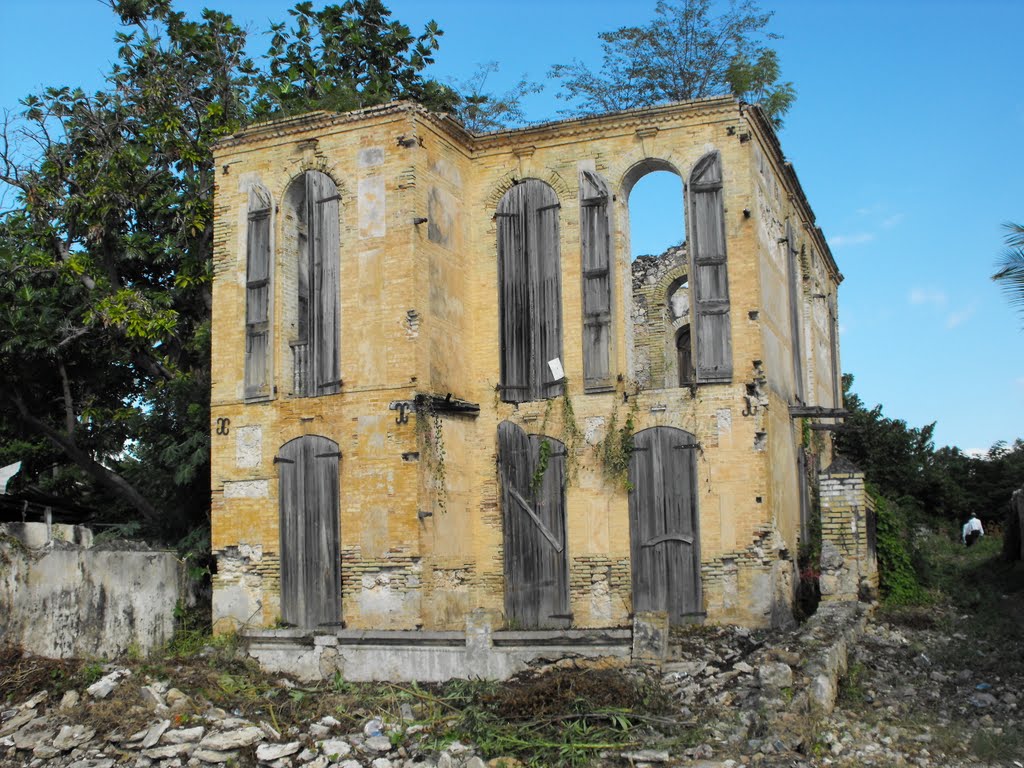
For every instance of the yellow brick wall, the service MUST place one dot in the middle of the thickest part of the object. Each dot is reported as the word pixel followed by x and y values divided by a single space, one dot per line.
pixel 419 314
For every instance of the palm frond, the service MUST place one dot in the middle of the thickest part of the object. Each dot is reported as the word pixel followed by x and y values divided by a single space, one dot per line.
pixel 1010 266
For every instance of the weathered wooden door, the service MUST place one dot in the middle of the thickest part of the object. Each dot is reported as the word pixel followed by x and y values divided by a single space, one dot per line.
pixel 533 503
pixel 310 545
pixel 663 523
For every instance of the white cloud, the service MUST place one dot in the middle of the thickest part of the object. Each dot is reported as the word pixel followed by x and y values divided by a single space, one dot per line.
pixel 927 296
pixel 839 241
pixel 959 318
pixel 891 222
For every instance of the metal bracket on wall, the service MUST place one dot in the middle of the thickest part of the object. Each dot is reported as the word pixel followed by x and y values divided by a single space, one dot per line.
pixel 404 408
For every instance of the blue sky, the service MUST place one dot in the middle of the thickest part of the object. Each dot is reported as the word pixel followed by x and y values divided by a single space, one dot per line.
pixel 905 135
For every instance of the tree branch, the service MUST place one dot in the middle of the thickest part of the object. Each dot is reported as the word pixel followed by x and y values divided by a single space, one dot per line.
pixel 69 405
pixel 105 477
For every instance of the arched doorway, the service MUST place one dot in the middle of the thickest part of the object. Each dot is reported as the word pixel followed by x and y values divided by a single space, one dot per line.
pixel 310 539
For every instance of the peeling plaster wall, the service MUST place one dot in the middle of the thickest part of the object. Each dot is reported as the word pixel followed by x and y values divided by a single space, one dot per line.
pixel 61 601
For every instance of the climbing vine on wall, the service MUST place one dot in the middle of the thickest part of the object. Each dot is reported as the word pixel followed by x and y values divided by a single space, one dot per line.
pixel 616 449
pixel 430 429
pixel 571 437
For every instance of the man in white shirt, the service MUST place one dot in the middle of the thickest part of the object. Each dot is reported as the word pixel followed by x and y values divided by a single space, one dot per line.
pixel 972 530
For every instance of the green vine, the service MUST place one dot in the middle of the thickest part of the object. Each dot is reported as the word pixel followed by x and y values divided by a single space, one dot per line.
pixel 805 432
pixel 571 437
pixel 616 448
pixel 543 459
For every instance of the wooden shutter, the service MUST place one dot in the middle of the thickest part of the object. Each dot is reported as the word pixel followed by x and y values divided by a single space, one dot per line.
pixel 833 345
pixel 664 530
pixel 257 296
pixel 795 304
pixel 710 278
pixel 310 542
pixel 324 237
pixel 596 245
pixel 530 291
pixel 545 287
pixel 513 277
pixel 300 346
pixel 536 556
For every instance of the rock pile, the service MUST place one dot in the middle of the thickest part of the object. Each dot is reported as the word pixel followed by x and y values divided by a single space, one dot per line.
pixel 932 695
pixel 37 734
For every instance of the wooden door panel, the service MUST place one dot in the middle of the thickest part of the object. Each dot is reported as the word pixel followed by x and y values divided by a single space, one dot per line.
pixel 310 542
pixel 536 557
pixel 664 534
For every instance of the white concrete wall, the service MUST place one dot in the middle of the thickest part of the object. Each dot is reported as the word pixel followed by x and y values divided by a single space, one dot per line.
pixel 63 601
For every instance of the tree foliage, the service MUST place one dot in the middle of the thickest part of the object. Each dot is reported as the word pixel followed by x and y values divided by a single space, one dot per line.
pixel 482 111
pixel 105 254
pixel 1010 266
pixel 348 56
pixel 904 465
pixel 685 52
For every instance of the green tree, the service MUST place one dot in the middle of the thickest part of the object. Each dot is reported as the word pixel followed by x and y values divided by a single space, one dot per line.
pixel 348 56
pixel 106 253
pixel 1010 266
pixel 904 465
pixel 685 52
pixel 482 111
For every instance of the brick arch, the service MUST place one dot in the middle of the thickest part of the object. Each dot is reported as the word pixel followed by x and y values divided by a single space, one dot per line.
pixel 635 165
pixel 510 178
pixel 666 282
pixel 640 168
pixel 299 167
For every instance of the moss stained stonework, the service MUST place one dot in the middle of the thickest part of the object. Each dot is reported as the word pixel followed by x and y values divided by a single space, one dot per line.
pixel 420 518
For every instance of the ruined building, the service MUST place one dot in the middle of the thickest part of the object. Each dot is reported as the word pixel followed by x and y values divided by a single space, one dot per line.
pixel 441 388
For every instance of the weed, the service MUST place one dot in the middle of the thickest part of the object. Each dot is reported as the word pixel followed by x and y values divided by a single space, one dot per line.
pixel 134 651
pixel 562 717
pixel 91 673
pixel 991 745
pixel 851 687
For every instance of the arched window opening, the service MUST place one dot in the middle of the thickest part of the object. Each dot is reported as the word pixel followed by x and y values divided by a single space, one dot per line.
pixel 684 356
pixel 314 239
pixel 795 311
pixel 678 300
pixel 530 297
pixel 657 237
pixel 656 220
